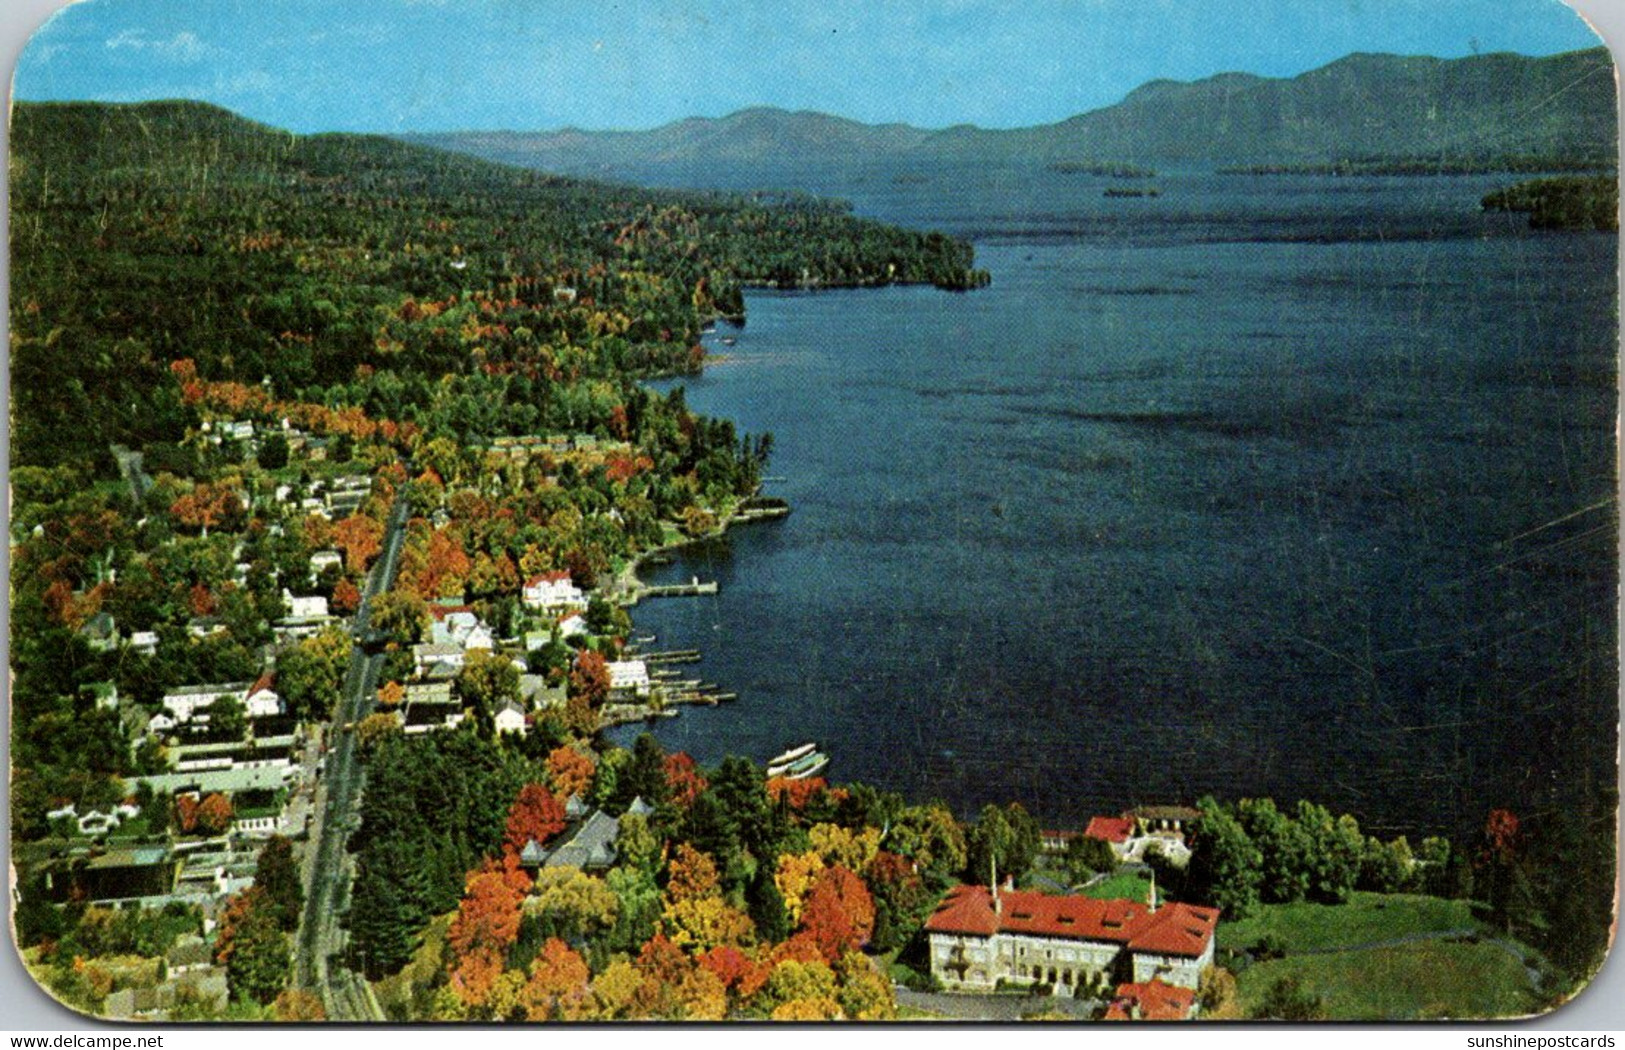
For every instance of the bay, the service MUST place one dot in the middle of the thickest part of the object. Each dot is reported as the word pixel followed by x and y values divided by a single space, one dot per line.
pixel 1293 486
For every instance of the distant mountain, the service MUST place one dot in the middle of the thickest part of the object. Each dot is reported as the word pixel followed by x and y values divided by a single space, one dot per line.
pixel 1359 106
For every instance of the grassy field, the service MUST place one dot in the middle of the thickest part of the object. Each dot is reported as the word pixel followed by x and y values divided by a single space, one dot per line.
pixel 1426 979
pixel 1366 918
pixel 1121 886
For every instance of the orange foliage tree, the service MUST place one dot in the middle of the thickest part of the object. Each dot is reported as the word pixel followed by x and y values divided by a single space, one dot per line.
pixel 557 989
pixel 361 538
pixel 691 875
pixel 536 814
pixel 839 913
pixel 683 778
pixel 571 771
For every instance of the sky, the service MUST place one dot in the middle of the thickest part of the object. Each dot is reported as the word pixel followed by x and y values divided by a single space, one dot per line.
pixel 437 65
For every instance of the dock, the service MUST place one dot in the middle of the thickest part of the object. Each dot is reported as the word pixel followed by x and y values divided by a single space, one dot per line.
pixel 692 589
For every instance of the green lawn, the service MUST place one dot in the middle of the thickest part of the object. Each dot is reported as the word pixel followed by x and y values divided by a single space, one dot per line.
pixel 1366 918
pixel 1428 979
pixel 1121 886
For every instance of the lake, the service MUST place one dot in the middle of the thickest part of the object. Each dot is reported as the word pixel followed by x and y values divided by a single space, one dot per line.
pixel 1295 486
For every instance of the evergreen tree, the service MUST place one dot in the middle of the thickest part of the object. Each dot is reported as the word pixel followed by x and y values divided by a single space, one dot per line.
pixel 275 873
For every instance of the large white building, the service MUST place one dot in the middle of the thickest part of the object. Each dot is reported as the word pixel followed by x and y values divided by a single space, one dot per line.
pixel 979 937
pixel 553 590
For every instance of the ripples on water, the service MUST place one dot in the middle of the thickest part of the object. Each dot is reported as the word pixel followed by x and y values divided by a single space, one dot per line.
pixel 1285 486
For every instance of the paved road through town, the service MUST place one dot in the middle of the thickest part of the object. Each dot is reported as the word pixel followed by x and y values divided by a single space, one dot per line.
pixel 317 966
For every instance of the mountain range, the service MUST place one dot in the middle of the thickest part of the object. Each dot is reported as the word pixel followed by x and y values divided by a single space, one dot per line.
pixel 1363 105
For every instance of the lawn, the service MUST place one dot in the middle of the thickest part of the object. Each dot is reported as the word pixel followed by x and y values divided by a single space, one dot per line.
pixel 1367 918
pixel 1427 979
pixel 1126 885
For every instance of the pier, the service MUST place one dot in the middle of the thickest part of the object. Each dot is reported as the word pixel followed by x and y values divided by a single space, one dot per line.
pixel 692 589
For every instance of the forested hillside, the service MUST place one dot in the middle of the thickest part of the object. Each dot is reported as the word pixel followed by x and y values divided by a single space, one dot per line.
pixel 148 233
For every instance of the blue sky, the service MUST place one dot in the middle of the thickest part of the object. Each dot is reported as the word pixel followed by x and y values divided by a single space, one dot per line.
pixel 407 65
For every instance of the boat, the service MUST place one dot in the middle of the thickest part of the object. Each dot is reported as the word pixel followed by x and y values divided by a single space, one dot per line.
pixel 797 763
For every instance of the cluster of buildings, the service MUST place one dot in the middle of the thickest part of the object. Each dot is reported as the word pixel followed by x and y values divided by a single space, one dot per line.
pixel 1144 959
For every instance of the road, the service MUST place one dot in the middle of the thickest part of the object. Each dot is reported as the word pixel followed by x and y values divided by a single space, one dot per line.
pixel 318 965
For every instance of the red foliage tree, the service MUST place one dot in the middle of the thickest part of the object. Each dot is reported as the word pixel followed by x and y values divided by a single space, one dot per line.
pixel 683 778
pixel 839 913
pixel 728 963
pixel 589 679
pixel 536 814
pixel 346 597
pixel 214 814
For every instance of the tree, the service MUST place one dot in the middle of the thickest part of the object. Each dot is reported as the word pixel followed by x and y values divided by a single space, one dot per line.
pixel 691 875
pixel 310 674
pixel 400 617
pixel 297 1005
pixel 486 683
pixel 570 771
pixel 589 678
pixel 251 946
pixel 1285 847
pixel 930 837
pixel 273 453
pixel 566 902
pixel 557 989
pixel 866 995
pixel 1288 1000
pixel 487 920
pixel 360 538
pixel 1227 870
pixel 839 913
pixel 276 874
pixel 766 906
pixel 214 814
pixel 536 815
pixel 227 718
pixel 1006 837
pixel 698 924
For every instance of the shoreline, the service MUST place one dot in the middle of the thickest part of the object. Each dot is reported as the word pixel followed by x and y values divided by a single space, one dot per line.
pixel 626 586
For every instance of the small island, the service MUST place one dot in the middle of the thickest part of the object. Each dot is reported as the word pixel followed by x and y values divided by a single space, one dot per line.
pixel 1563 202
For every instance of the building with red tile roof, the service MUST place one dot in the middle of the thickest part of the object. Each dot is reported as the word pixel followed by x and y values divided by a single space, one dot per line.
pixel 1115 830
pixel 1153 1000
pixel 979 937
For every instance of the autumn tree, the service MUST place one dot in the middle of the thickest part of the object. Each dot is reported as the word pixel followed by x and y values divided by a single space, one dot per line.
pixel 297 1005
pixel 485 927
pixel 691 875
pixel 838 913
pixel 570 770
pixel 214 814
pixel 536 815
pixel 360 538
pixel 557 990
pixel 589 678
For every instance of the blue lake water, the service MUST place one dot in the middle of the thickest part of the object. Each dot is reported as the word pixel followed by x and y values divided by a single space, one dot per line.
pixel 1287 486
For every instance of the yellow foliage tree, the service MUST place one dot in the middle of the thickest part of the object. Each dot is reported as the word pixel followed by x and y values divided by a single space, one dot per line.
pixel 795 877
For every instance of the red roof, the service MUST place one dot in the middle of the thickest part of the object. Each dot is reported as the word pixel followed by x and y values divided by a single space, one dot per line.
pixel 262 683
pixel 1174 929
pixel 1155 1000
pixel 440 612
pixel 1110 829
pixel 548 577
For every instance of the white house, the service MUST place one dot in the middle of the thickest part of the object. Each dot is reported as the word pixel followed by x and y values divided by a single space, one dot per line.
pixel 304 607
pixel 322 560
pixel 435 660
pixel 572 624
pixel 629 676
pixel 144 642
pixel 979 937
pixel 262 700
pixel 188 702
pixel 511 719
pixel 553 590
